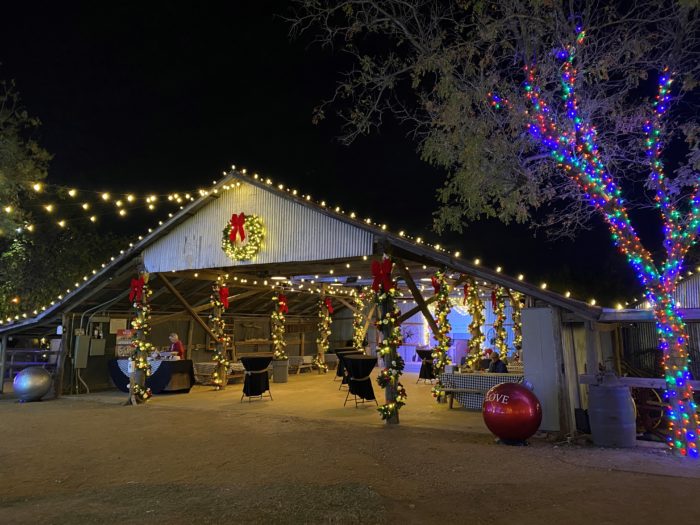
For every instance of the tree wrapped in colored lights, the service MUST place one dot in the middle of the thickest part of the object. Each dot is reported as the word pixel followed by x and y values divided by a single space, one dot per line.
pixel 475 308
pixel 139 367
pixel 388 314
pixel 469 110
pixel 498 304
pixel 572 143
pixel 219 302
pixel 278 321
pixel 443 307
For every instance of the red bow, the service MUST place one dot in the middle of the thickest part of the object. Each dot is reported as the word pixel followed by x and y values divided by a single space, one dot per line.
pixel 436 284
pixel 237 222
pixel 283 303
pixel 328 304
pixel 381 271
pixel 466 293
pixel 136 292
pixel 223 296
pixel 493 299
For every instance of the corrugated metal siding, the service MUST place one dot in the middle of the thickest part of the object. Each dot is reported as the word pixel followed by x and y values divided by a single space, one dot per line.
pixel 293 233
pixel 641 348
pixel 688 292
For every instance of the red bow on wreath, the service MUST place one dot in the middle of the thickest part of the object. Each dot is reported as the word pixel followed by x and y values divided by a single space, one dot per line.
pixel 381 271
pixel 136 291
pixel 237 222
pixel 466 293
pixel 328 304
pixel 436 284
pixel 223 296
pixel 283 303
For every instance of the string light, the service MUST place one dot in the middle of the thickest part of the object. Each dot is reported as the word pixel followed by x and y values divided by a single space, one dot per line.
pixel 576 151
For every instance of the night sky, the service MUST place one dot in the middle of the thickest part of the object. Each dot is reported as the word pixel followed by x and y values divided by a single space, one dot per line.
pixel 165 96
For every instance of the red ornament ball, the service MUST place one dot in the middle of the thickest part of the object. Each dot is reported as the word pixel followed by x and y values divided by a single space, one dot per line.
pixel 512 412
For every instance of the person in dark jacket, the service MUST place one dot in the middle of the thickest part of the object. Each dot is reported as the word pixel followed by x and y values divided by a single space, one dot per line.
pixel 497 366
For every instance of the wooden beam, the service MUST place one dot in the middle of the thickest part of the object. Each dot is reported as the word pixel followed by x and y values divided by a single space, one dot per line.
pixel 346 303
pixel 368 320
pixel 634 382
pixel 177 315
pixel 422 305
pixel 184 303
pixel 413 311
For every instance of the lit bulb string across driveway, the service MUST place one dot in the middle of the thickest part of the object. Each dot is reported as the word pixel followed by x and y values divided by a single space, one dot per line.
pixel 576 151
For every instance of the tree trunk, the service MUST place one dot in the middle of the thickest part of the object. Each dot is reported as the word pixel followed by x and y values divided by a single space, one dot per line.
pixel 681 408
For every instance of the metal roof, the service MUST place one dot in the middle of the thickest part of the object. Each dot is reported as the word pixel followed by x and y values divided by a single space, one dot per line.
pixel 415 253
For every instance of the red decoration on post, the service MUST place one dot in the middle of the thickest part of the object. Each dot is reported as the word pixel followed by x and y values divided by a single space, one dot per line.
pixel 328 304
pixel 436 284
pixel 381 271
pixel 512 412
pixel 136 291
pixel 493 300
pixel 223 296
pixel 283 303
pixel 237 222
pixel 466 293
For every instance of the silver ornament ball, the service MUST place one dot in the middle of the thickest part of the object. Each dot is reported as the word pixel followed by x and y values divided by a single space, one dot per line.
pixel 32 383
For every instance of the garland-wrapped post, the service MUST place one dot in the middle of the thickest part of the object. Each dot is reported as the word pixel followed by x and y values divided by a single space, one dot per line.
pixel 475 308
pixel 498 303
pixel 358 320
pixel 516 305
pixel 278 320
pixel 388 314
pixel 139 367
pixel 325 309
pixel 443 307
pixel 219 303
pixel 573 144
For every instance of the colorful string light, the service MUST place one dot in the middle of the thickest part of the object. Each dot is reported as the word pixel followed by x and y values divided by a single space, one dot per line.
pixel 576 151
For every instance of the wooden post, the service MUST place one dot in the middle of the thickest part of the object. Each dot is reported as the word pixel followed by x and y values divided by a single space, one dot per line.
pixel 3 347
pixel 591 349
pixel 61 358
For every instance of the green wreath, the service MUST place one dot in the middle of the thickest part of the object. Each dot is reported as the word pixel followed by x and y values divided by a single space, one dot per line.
pixel 255 234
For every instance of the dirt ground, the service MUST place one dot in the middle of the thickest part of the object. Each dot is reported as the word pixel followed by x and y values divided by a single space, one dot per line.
pixel 304 458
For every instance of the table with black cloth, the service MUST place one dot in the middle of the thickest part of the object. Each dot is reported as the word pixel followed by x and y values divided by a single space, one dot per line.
pixel 359 381
pixel 257 380
pixel 426 367
pixel 166 376
pixel 340 371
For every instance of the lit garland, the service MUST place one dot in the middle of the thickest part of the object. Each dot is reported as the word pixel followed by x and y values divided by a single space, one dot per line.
pixel 388 314
pixel 443 307
pixel 278 320
pixel 498 303
pixel 139 295
pixel 324 332
pixel 475 308
pixel 219 302
pixel 358 321
pixel 577 152
pixel 516 305
pixel 250 227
